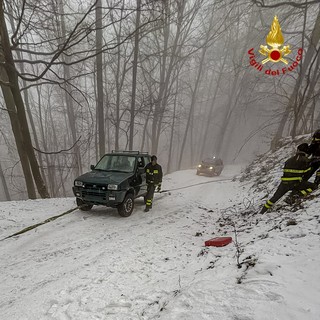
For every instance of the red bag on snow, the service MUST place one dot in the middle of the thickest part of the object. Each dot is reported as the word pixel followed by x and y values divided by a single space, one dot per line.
pixel 218 242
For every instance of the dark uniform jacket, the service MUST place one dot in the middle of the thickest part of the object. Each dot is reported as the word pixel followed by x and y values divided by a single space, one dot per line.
pixel 295 168
pixel 153 174
pixel 314 149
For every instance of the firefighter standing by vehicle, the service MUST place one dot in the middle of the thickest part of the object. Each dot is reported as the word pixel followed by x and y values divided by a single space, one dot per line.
pixel 314 151
pixel 154 180
pixel 292 179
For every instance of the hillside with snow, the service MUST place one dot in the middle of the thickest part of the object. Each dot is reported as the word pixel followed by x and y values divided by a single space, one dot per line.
pixel 98 265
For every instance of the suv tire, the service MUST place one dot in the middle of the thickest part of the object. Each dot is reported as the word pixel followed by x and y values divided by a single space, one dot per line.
pixel 126 207
pixel 83 206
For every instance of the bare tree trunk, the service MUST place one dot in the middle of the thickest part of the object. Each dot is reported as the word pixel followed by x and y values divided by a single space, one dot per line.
pixel 120 76
pixel 235 90
pixel 211 108
pixel 134 75
pixel 118 95
pixel 77 167
pixel 100 109
pixel 33 128
pixel 314 40
pixel 8 98
pixel 56 147
pixel 156 124
pixel 43 136
pixel 26 100
pixel 193 102
pixel 307 97
pixel 18 101
pixel 4 184
pixel 316 121
pixel 172 128
pixel 167 75
pixel 195 89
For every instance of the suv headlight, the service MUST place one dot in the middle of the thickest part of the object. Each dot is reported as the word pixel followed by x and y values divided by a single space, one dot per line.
pixel 211 168
pixel 199 166
pixel 112 186
pixel 78 183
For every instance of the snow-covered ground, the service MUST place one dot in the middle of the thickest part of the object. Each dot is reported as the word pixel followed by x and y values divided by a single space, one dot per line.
pixel 98 265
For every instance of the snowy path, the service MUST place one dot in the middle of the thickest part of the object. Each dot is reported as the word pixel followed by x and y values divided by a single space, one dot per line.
pixel 97 265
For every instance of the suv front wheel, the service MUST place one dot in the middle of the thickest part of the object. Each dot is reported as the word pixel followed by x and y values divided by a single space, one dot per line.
pixel 126 207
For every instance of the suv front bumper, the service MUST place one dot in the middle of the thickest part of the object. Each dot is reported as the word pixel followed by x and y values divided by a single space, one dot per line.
pixel 98 196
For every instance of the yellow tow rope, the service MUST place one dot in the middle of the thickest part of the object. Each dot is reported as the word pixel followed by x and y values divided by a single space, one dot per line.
pixel 71 210
pixel 193 185
pixel 41 223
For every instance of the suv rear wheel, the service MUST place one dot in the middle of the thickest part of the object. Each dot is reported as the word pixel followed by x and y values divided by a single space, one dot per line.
pixel 83 206
pixel 126 207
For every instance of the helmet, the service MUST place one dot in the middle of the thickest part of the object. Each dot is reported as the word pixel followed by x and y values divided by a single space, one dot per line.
pixel 316 136
pixel 303 147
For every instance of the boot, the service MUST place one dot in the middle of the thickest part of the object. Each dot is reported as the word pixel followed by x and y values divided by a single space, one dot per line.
pixel 263 210
pixel 293 198
pixel 146 209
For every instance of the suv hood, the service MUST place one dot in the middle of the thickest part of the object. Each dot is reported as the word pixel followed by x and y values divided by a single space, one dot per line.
pixel 104 177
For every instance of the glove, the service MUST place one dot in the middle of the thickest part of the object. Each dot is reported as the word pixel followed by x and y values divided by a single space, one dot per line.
pixel 158 187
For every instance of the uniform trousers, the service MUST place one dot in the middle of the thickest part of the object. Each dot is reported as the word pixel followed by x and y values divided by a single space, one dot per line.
pixel 150 192
pixel 301 188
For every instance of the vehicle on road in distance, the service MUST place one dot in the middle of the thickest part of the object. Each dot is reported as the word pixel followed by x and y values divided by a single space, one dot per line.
pixel 210 166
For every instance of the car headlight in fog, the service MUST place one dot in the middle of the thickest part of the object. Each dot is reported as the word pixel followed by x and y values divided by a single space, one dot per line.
pixel 113 187
pixel 199 166
pixel 78 183
pixel 211 168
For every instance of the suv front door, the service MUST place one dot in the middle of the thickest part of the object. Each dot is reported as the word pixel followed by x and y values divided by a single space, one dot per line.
pixel 141 175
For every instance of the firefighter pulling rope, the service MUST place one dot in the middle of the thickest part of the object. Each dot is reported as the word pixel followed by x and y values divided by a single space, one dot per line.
pixel 74 209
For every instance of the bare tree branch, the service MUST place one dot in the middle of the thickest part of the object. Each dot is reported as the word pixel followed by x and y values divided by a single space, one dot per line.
pixel 56 152
pixel 261 3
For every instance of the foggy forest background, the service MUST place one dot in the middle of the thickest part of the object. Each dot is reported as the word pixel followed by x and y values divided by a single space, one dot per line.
pixel 80 78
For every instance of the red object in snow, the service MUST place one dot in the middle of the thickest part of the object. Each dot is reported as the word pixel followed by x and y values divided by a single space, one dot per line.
pixel 218 242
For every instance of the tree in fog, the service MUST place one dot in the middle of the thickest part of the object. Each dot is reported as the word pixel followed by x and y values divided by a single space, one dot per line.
pixel 302 94
pixel 15 104
pixel 170 77
pixel 63 34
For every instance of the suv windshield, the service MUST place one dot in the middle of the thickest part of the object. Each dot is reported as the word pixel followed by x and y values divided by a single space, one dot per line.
pixel 116 163
pixel 213 161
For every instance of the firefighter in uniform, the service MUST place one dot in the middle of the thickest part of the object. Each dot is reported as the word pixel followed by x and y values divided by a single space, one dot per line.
pixel 314 151
pixel 154 180
pixel 295 168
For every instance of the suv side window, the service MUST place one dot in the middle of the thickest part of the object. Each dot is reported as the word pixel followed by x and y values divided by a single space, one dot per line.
pixel 146 160
pixel 141 163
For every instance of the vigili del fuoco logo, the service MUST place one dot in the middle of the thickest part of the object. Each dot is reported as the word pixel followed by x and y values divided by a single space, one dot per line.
pixel 275 52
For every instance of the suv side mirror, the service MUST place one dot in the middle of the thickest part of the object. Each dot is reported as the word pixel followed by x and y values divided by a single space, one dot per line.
pixel 92 167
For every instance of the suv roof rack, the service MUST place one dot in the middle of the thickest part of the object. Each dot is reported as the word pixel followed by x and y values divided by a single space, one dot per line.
pixel 129 151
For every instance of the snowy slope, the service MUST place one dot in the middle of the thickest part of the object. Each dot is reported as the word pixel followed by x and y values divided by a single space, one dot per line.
pixel 97 265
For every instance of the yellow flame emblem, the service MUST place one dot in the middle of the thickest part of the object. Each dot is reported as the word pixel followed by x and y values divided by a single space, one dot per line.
pixel 275 41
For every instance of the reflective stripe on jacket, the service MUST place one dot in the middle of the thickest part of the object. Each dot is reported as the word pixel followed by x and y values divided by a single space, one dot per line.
pixel 295 168
pixel 153 173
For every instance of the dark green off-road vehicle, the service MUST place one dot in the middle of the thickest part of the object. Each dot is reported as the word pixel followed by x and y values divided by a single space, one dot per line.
pixel 117 179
